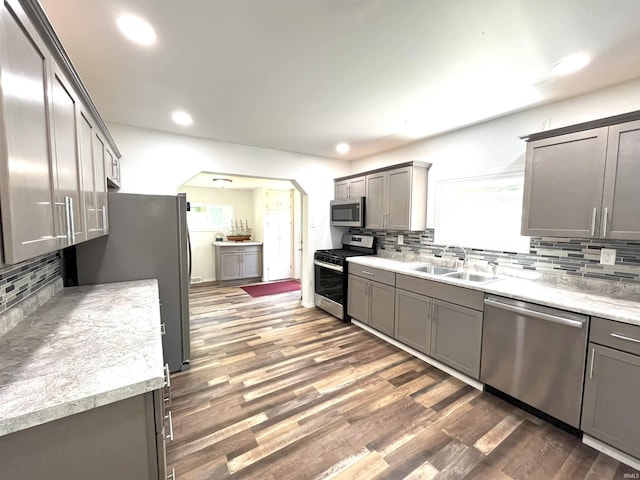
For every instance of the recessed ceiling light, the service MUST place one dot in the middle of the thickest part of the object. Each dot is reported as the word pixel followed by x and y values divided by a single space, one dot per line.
pixel 137 29
pixel 571 64
pixel 343 147
pixel 182 118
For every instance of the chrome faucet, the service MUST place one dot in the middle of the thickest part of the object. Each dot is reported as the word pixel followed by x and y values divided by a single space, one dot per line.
pixel 465 262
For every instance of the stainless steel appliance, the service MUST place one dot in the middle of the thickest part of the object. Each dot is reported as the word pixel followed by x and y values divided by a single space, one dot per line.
pixel 535 354
pixel 148 238
pixel 331 269
pixel 348 212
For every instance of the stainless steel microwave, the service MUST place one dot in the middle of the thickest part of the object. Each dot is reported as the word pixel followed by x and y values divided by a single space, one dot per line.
pixel 347 212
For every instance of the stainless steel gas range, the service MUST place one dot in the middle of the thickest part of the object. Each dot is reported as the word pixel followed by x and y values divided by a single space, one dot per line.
pixel 331 269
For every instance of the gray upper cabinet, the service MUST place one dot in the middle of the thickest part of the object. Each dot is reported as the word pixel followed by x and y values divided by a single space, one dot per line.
pixel 397 198
pixel 100 183
pixel 375 202
pixel 621 196
pixel 563 184
pixel 584 184
pixel 113 168
pixel 29 226
pixel 52 185
pixel 349 188
pixel 85 152
pixel 66 164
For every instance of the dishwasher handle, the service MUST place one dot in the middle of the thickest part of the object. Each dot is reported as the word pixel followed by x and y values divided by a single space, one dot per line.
pixel 532 313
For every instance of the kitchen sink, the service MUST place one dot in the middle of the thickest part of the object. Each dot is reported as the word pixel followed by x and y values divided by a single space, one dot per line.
pixel 472 277
pixel 433 269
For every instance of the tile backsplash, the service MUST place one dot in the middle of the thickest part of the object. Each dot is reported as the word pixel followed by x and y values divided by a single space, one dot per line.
pixel 19 281
pixel 577 257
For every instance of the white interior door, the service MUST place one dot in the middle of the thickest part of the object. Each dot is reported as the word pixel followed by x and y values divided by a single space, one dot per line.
pixel 277 245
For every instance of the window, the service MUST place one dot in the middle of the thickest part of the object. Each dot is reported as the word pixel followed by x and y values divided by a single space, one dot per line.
pixel 481 212
pixel 205 217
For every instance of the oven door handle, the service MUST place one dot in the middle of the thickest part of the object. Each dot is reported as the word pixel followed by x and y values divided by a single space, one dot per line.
pixel 330 266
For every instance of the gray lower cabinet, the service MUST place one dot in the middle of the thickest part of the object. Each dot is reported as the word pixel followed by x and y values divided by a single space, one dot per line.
pixel 382 315
pixel 456 337
pixel 238 262
pixel 612 386
pixel 443 321
pixel 413 320
pixel 358 298
pixel 372 303
pixel 119 440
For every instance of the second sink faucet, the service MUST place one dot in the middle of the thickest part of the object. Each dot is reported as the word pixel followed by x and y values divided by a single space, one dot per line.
pixel 465 262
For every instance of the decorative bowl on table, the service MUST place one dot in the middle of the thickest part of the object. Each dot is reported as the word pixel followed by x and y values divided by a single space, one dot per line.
pixel 238 238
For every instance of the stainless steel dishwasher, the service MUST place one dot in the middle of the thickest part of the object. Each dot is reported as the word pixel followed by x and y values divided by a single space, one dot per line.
pixel 535 354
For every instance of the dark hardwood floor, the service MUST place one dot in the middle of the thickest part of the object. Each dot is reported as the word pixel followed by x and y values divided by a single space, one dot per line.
pixel 278 391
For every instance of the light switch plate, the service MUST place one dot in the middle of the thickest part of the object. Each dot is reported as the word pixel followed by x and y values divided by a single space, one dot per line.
pixel 608 256
pixel 400 239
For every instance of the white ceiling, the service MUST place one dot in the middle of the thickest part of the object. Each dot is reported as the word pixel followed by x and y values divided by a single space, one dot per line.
pixel 303 75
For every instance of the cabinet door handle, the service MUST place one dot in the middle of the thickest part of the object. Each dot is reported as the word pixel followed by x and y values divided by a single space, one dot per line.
pixel 623 337
pixel 170 418
pixel 73 221
pixel 593 354
pixel 167 376
pixel 67 213
pixel 368 273
pixel 172 475
pixel 104 218
pixel 605 214
pixel 593 221
pixel 532 313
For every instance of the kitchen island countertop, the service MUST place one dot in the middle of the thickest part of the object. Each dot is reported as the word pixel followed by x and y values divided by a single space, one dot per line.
pixel 600 303
pixel 86 347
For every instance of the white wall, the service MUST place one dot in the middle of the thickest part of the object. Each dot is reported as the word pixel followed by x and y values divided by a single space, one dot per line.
pixel 158 163
pixel 203 265
pixel 495 144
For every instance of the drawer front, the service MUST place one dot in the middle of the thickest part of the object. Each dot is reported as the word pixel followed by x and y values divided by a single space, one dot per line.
pixel 250 248
pixel 442 291
pixel 618 335
pixel 377 274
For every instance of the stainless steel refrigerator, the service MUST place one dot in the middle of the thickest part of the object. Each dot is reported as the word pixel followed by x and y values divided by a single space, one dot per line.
pixel 148 238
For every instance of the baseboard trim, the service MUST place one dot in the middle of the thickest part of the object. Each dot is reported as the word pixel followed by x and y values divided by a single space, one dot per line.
pixel 440 366
pixel 612 452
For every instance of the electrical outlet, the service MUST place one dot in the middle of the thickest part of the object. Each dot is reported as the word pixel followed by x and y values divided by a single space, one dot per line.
pixel 400 239
pixel 608 256
pixel 545 123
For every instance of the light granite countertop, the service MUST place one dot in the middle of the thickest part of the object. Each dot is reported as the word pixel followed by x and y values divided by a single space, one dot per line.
pixel 601 299
pixel 86 347
pixel 236 244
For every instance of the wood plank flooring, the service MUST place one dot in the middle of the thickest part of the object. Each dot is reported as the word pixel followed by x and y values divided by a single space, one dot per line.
pixel 278 391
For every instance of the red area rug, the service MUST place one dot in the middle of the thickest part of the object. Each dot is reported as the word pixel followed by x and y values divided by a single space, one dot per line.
pixel 263 289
